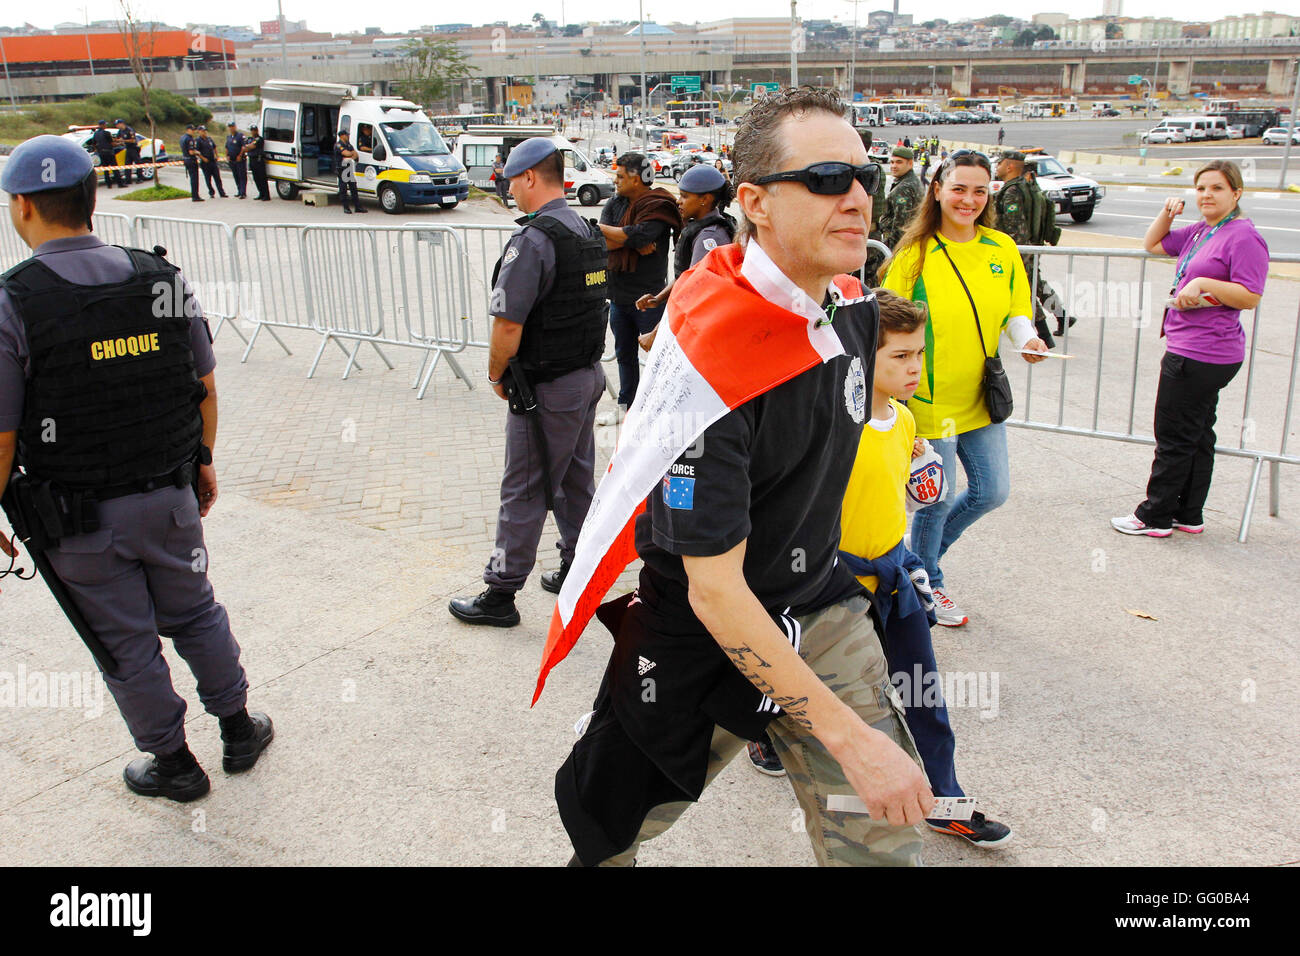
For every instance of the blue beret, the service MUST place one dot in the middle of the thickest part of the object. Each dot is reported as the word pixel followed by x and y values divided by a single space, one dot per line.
pixel 527 155
pixel 44 163
pixel 701 178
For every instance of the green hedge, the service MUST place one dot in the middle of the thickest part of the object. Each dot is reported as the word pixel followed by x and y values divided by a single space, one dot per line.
pixel 127 104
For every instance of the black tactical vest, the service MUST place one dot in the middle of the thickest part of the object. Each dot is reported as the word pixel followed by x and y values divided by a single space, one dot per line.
pixel 113 397
pixel 565 331
pixel 686 241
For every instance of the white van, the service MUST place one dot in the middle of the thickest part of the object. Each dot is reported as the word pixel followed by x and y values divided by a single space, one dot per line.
pixel 478 146
pixel 1217 127
pixel 1099 107
pixel 402 160
pixel 1196 127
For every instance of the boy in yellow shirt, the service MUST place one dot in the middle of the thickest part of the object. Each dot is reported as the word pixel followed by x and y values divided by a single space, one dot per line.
pixel 872 525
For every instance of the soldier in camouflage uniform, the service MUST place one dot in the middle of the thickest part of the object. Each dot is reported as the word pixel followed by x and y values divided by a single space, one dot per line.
pixel 1047 233
pixel 874 257
pixel 1019 216
pixel 904 196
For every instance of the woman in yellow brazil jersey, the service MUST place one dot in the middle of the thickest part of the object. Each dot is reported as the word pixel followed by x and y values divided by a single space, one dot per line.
pixel 974 283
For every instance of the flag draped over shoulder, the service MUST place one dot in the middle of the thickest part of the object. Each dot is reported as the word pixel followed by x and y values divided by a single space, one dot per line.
pixel 720 344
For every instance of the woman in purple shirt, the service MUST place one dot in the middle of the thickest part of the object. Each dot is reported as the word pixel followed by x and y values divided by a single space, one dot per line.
pixel 1222 263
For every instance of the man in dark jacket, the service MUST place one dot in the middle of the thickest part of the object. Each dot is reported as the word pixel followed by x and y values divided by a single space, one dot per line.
pixel 637 224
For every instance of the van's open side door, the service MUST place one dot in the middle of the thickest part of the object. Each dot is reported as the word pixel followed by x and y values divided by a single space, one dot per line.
pixel 280 140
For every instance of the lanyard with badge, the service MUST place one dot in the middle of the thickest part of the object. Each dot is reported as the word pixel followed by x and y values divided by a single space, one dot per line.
pixel 1185 261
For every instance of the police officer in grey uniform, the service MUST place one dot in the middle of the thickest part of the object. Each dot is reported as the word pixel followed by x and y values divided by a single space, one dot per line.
pixel 548 325
pixel 108 405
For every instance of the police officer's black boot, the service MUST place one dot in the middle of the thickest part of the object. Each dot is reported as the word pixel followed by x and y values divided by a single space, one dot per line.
pixel 176 776
pixel 554 580
pixel 494 606
pixel 243 738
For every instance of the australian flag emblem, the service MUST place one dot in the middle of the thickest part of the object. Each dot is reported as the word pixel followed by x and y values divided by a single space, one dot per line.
pixel 679 493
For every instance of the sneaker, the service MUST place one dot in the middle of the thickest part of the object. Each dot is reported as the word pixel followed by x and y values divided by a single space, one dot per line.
pixel 1189 528
pixel 980 830
pixel 763 756
pixel 1131 524
pixel 946 612
pixel 612 418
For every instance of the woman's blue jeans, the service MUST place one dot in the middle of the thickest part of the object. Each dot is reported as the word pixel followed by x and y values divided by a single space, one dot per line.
pixel 983 454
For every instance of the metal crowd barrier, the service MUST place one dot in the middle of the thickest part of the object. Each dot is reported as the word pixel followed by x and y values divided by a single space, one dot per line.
pixel 204 251
pixel 390 285
pixel 115 228
pixel 1118 298
pixel 483 246
pixel 429 287
pixel 280 295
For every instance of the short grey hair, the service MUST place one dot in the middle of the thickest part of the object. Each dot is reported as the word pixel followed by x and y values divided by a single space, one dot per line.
pixel 759 148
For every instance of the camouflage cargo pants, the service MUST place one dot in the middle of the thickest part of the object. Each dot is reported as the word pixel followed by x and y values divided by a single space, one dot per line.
pixel 841 646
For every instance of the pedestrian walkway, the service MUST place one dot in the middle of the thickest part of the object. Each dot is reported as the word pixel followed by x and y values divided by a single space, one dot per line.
pixel 350 513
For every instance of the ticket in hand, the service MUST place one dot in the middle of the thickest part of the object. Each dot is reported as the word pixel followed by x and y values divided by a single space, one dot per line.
pixel 945 808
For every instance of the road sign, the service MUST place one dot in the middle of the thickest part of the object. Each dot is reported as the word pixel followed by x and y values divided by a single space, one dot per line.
pixel 764 87
pixel 1134 79
pixel 686 84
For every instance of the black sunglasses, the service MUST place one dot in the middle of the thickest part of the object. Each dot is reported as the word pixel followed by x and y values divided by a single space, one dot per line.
pixel 828 179
pixel 979 157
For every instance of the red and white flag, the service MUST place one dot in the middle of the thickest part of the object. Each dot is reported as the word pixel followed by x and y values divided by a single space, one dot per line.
pixel 724 340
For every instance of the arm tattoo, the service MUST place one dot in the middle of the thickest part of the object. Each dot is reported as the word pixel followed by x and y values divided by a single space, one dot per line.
pixel 748 662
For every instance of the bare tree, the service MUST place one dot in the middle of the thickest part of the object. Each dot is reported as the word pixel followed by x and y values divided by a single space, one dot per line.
pixel 139 40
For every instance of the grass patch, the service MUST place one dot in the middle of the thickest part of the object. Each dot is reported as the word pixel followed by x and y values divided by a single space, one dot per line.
pixel 171 113
pixel 155 193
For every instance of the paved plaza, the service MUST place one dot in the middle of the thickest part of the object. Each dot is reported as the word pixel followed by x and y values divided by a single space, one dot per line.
pixel 350 513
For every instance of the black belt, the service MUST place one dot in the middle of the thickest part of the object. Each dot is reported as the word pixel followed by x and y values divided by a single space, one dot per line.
pixel 180 478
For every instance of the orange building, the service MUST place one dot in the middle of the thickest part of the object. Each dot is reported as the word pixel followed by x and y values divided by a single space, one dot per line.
pixel 66 53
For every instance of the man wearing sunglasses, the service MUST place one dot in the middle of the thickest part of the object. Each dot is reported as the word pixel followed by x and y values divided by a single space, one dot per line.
pixel 744 621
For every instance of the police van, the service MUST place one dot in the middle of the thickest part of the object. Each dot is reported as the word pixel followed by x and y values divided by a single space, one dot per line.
pixel 402 160
pixel 478 147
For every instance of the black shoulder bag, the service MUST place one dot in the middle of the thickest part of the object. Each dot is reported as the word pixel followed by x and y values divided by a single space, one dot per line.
pixel 996 385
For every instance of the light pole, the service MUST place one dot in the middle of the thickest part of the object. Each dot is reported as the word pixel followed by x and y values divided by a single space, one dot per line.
pixel 284 47
pixel 9 87
pixel 85 13
pixel 853 50
pixel 645 108
pixel 225 71
pixel 194 74
pixel 1290 127
pixel 1155 78
pixel 794 44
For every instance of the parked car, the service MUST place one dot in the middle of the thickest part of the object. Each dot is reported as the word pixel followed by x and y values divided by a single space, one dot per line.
pixel 1277 136
pixel 1236 132
pixel 964 116
pixel 984 116
pixel 685 160
pixel 1164 134
pixel 663 162
pixel 1108 111
pixel 84 136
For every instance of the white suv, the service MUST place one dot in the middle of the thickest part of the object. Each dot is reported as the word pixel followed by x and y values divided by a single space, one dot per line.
pixel 1277 136
pixel 1164 134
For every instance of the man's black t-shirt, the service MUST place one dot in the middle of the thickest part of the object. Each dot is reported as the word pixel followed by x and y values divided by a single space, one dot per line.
pixel 772 471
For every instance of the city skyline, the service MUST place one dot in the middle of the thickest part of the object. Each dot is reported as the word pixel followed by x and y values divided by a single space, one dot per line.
pixel 334 16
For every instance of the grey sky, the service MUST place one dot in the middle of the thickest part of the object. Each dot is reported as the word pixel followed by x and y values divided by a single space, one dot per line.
pixel 340 16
